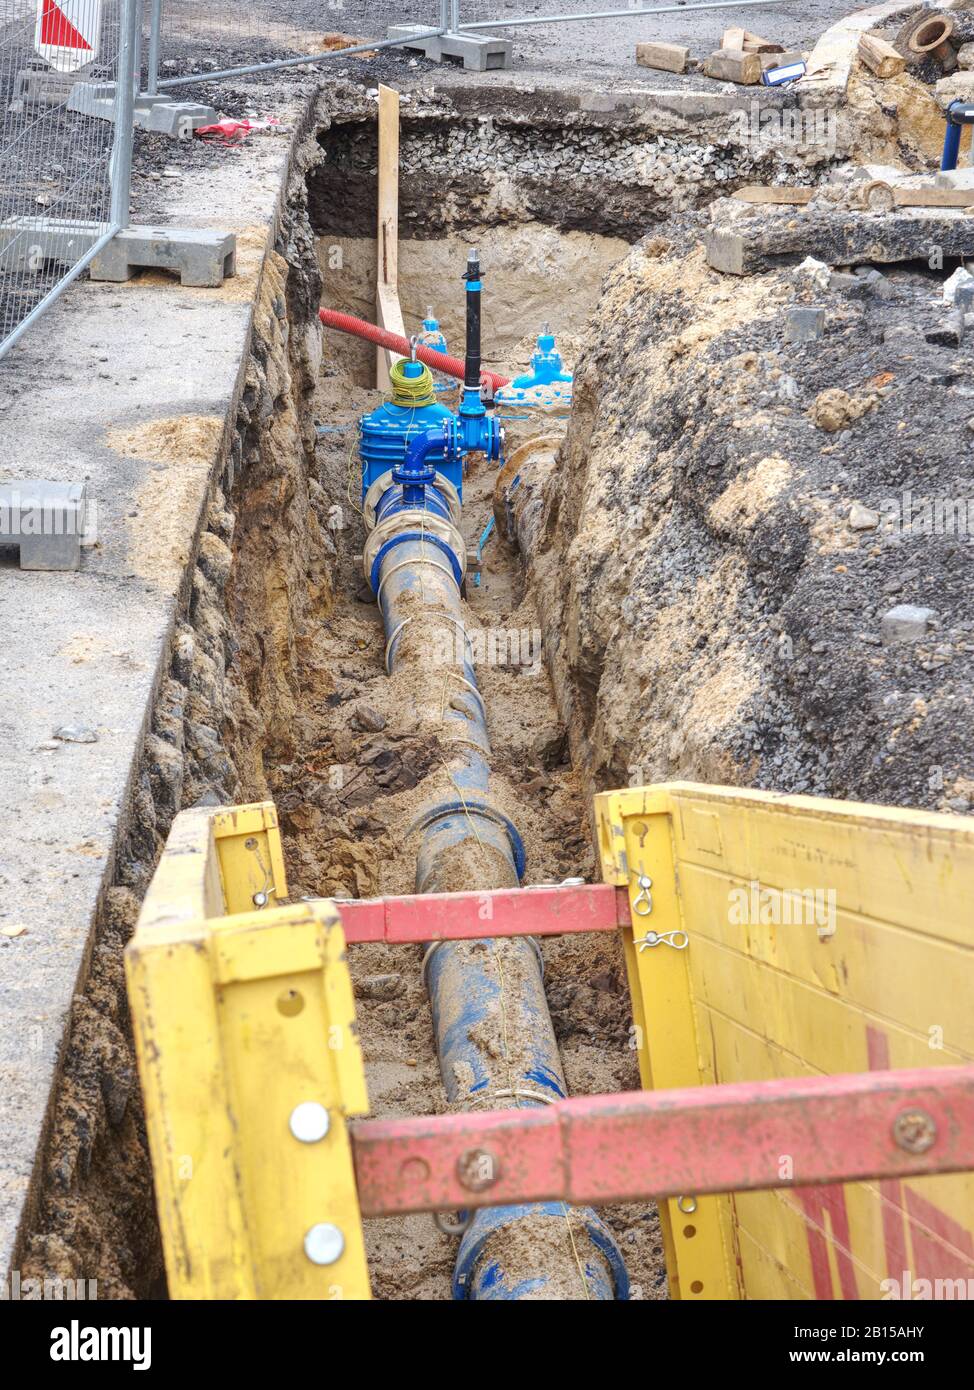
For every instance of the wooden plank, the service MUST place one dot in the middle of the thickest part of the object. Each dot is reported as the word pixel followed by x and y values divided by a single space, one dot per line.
pixel 388 315
pixel 743 41
pixel 934 197
pixel 770 193
pixel 665 57
pixel 880 57
pixel 388 311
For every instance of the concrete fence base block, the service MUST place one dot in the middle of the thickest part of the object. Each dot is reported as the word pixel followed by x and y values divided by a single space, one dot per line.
pixel 477 52
pixel 200 258
pixel 46 521
pixel 161 114
pixel 27 242
pixel 178 119
pixel 36 87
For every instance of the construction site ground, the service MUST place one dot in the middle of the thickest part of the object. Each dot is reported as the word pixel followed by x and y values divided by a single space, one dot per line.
pixel 217 645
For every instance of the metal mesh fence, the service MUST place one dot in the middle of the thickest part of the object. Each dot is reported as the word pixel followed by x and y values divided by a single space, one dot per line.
pixel 199 38
pixel 55 160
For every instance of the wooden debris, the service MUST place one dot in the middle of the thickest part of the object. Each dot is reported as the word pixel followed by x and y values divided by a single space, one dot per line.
pixel 779 60
pixel 730 65
pixel 743 41
pixel 774 193
pixel 880 57
pixel 665 57
pixel 879 196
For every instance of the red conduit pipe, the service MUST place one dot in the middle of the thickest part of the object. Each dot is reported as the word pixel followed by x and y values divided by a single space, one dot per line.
pixel 450 366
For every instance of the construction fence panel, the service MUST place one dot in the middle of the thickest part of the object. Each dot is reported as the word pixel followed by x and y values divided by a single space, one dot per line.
pixel 600 31
pixel 198 40
pixel 63 176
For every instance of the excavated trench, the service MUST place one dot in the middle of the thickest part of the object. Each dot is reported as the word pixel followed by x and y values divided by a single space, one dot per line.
pixel 277 685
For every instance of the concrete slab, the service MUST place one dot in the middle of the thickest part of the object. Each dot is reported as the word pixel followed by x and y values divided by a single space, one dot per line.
pixel 741 245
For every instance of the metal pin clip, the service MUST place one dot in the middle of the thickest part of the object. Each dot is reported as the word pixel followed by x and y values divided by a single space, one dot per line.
pixel 677 938
pixel 642 903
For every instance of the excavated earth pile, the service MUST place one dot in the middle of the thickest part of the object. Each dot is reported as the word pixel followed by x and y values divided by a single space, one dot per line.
pixel 734 516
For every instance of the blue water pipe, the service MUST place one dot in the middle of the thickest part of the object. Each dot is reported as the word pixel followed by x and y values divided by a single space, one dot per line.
pixel 495 1040
pixel 958 114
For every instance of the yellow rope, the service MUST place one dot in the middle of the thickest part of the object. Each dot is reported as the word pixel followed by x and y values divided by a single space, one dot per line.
pixel 413 391
pixel 578 1262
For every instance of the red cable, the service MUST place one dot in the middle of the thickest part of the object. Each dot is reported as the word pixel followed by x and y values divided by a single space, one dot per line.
pixel 450 366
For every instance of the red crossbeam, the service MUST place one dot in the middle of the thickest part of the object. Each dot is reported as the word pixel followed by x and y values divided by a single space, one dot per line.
pixel 506 912
pixel 637 1145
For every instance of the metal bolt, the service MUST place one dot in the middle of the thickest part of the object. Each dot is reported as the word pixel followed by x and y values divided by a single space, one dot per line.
pixel 309 1122
pixel 478 1169
pixel 914 1131
pixel 687 1205
pixel 324 1244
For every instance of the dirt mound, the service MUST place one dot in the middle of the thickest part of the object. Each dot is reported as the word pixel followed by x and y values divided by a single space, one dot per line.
pixel 719 544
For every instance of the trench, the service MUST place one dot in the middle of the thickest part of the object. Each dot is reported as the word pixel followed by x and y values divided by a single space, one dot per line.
pixel 276 684
pixel 356 774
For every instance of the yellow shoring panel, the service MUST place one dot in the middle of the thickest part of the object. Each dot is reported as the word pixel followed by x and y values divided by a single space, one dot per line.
pixel 238 1020
pixel 824 936
pixel 636 843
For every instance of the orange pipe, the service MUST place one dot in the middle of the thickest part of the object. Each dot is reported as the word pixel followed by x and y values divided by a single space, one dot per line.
pixel 359 328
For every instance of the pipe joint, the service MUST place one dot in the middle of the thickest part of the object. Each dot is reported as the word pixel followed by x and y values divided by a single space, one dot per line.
pixel 413 524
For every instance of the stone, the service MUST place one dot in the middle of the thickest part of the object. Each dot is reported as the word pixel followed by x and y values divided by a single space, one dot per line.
pixel 381 987
pixel 958 87
pixel 906 623
pixel 550 746
pixel 803 324
pixel 949 334
pixel 367 719
pixel 961 279
pixel 965 57
pixel 862 518
pixel 75 733
pixel 816 271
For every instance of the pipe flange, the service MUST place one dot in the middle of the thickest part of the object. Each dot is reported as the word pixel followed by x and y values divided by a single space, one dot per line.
pixel 478 808
pixel 414 525
pixel 383 483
